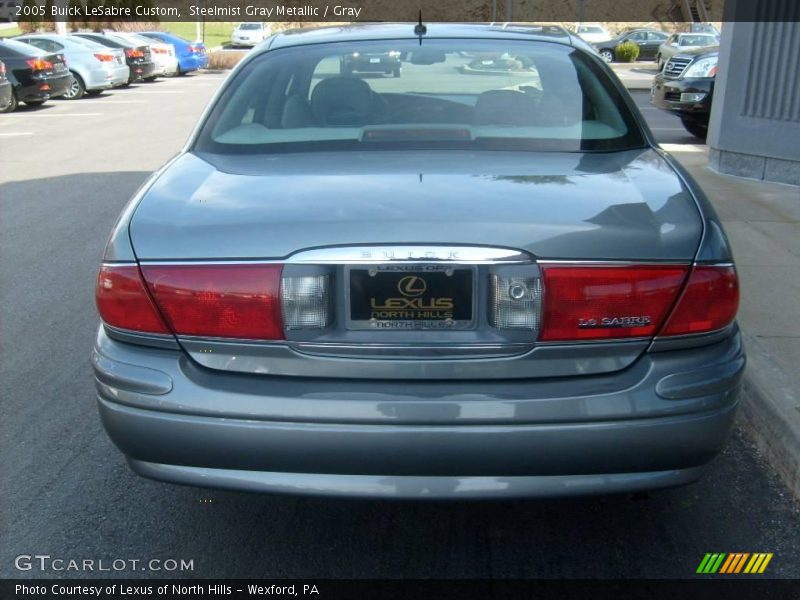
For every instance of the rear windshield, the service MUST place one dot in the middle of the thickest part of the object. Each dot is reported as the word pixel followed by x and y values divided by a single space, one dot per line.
pixel 491 94
pixel 249 26
pixel 698 40
pixel 14 48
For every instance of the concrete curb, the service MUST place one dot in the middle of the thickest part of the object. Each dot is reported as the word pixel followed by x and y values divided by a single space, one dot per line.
pixel 770 411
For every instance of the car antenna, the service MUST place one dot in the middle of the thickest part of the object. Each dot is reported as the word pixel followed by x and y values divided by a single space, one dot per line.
pixel 420 29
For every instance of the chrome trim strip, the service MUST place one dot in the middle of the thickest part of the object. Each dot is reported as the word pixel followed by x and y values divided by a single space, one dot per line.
pixel 395 254
pixel 623 263
pixel 410 253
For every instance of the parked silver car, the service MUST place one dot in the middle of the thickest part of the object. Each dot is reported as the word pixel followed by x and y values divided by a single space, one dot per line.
pixel 442 285
pixel 682 42
pixel 94 67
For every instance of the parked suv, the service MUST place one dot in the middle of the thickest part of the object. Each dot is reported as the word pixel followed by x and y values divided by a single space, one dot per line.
pixel 686 87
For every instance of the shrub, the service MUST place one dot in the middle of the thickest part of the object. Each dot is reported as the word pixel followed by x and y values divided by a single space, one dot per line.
pixel 225 59
pixel 627 52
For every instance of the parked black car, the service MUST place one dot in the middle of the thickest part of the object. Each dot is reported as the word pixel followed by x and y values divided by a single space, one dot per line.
pixel 137 57
pixel 6 93
pixel 35 76
pixel 648 41
pixel 385 62
pixel 686 87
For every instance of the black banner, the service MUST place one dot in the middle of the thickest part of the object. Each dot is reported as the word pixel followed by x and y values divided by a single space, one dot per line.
pixel 342 11
pixel 739 588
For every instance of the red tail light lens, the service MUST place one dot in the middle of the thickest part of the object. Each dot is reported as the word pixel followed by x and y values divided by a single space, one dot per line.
pixel 159 50
pixel 134 53
pixel 231 301
pixel 123 302
pixel 38 64
pixel 104 57
pixel 602 302
pixel 708 303
pixel 195 49
pixel 2 69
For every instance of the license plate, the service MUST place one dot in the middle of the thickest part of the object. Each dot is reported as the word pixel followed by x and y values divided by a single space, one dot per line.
pixel 374 60
pixel 401 298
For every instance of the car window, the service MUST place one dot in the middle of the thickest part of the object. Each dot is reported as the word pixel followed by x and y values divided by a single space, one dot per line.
pixel 655 36
pixel 696 40
pixel 250 26
pixel 589 29
pixel 637 36
pixel 495 94
pixel 15 48
pixel 87 43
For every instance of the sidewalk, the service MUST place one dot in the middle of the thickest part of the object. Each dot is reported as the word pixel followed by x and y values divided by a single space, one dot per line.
pixel 763 223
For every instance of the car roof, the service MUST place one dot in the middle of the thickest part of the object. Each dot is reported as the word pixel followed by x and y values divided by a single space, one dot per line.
pixel 393 31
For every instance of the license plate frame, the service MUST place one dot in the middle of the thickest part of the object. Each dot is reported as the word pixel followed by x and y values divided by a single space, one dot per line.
pixel 432 301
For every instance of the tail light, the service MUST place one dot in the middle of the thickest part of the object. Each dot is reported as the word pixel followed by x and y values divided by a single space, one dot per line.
pixel 585 302
pixel 709 301
pixel 38 64
pixel 196 49
pixel 134 53
pixel 2 69
pixel 601 302
pixel 123 301
pixel 104 57
pixel 229 301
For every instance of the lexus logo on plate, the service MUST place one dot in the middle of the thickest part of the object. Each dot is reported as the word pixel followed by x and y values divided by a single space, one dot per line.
pixel 412 286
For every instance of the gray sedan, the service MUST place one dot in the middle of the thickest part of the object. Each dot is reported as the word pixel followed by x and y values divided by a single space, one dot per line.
pixel 444 285
pixel 94 67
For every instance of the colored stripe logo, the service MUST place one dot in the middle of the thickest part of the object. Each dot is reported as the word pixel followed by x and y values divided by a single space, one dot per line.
pixel 735 562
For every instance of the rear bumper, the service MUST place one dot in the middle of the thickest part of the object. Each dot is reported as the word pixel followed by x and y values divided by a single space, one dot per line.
pixel 193 62
pixel 142 70
pixel 104 78
pixel 655 425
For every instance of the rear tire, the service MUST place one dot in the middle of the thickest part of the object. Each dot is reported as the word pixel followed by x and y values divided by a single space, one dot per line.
pixel 77 89
pixel 696 128
pixel 34 102
pixel 659 62
pixel 93 93
pixel 607 55
pixel 13 105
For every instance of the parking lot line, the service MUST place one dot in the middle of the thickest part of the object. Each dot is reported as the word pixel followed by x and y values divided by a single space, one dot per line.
pixel 55 115
pixel 16 133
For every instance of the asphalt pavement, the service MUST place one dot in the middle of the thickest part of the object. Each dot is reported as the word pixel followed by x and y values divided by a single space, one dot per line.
pixel 66 171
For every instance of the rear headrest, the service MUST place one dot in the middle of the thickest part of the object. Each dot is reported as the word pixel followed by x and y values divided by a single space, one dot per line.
pixel 343 101
pixel 504 107
pixel 296 113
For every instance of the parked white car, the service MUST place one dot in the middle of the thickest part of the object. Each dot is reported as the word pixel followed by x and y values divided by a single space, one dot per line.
pixel 162 54
pixel 9 9
pixel 681 42
pixel 250 34
pixel 592 32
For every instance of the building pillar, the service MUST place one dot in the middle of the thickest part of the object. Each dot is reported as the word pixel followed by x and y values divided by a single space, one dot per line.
pixel 754 129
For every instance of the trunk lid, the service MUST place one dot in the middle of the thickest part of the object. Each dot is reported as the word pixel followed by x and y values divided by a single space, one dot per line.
pixel 615 206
